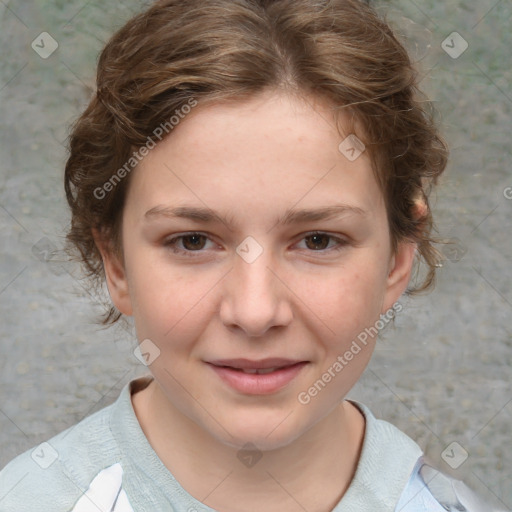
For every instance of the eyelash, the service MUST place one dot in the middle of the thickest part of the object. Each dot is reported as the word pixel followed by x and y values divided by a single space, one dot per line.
pixel 172 242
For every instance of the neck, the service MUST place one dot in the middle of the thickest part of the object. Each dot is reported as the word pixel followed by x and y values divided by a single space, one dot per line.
pixel 294 477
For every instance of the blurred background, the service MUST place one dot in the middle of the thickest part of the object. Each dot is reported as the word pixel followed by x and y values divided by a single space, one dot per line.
pixel 442 374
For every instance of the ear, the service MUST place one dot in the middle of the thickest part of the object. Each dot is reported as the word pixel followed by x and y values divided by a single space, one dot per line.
pixel 402 261
pixel 115 274
pixel 400 269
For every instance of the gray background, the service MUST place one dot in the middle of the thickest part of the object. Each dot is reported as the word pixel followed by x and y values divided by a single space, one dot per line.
pixel 442 374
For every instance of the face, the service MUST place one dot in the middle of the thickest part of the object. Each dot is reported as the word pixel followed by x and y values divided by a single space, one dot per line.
pixel 251 242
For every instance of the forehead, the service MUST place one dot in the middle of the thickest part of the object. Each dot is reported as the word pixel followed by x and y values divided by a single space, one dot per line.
pixel 269 152
pixel 268 124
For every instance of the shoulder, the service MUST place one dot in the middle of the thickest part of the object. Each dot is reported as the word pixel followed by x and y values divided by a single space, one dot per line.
pixel 431 490
pixel 393 475
pixel 387 459
pixel 54 474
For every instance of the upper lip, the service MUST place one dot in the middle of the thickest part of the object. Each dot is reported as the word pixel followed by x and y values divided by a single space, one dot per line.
pixel 247 364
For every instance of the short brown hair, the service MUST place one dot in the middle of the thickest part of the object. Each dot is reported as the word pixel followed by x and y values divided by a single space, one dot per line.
pixel 340 50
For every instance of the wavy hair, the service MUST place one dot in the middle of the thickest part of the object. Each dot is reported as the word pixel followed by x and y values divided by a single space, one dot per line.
pixel 228 50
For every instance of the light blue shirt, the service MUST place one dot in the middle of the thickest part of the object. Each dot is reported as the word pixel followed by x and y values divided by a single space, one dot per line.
pixel 106 463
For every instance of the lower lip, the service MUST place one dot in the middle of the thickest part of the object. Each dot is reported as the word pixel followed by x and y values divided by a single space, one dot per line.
pixel 258 384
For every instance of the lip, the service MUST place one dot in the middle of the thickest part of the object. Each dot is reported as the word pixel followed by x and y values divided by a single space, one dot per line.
pixel 249 364
pixel 253 383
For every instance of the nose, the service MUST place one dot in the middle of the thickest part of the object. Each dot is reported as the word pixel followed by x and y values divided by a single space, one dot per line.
pixel 255 297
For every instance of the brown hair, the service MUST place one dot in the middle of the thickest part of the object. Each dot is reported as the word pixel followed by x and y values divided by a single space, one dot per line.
pixel 220 50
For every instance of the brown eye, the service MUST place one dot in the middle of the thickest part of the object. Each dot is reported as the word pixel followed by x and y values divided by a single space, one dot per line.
pixel 318 241
pixel 322 243
pixel 193 242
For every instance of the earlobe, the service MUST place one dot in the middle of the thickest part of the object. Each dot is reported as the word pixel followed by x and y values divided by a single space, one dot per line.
pixel 115 275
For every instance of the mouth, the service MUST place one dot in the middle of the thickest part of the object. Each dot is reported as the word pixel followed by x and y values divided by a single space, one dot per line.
pixel 252 366
pixel 257 377
pixel 259 371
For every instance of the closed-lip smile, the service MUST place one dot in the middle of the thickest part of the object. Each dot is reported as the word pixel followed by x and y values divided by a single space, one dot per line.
pixel 262 376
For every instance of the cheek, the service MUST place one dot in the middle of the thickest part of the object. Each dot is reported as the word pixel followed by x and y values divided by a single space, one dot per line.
pixel 168 301
pixel 346 309
pixel 347 300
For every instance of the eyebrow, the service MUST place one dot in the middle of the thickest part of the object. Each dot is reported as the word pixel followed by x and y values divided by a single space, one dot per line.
pixel 291 216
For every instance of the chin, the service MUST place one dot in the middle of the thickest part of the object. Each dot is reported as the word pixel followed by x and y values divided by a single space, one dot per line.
pixel 265 432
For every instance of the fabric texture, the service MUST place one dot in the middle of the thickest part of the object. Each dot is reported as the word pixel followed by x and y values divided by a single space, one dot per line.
pixel 105 463
pixel 429 490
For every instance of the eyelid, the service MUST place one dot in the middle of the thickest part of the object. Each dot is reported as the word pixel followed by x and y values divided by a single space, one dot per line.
pixel 173 240
pixel 341 242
